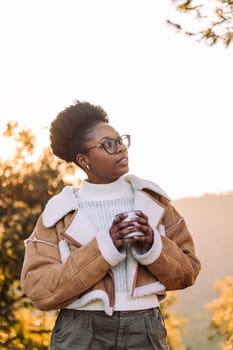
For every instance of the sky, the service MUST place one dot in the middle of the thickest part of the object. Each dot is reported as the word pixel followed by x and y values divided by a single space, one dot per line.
pixel 173 95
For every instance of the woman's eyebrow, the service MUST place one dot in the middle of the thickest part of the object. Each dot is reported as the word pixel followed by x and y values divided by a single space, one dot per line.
pixel 109 137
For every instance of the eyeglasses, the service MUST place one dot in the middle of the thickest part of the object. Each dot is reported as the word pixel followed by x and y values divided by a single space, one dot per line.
pixel 111 146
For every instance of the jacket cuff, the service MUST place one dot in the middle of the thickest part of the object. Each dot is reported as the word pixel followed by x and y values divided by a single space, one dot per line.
pixel 108 249
pixel 152 254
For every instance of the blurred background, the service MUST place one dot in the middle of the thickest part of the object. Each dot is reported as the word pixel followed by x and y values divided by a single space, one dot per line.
pixel 162 71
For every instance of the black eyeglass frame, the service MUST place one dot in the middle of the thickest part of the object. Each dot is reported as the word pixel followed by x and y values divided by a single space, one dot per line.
pixel 117 143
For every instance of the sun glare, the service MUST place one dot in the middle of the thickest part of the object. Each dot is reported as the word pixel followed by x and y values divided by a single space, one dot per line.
pixel 8 145
pixel 7 148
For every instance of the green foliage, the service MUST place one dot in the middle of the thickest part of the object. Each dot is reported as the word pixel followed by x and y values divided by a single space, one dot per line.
pixel 209 21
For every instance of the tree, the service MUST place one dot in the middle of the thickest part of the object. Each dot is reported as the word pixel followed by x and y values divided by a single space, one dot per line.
pixel 174 323
pixel 222 310
pixel 212 20
pixel 26 185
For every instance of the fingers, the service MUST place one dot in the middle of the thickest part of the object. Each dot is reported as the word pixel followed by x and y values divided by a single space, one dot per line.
pixel 142 223
pixel 143 226
pixel 119 235
pixel 121 228
pixel 119 218
pixel 118 232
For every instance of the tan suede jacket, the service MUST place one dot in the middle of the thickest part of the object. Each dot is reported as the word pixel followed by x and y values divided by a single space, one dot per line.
pixel 68 263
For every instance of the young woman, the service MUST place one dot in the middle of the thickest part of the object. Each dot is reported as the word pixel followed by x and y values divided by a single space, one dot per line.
pixel 107 286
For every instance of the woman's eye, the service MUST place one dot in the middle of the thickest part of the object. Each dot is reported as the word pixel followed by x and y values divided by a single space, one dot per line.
pixel 109 143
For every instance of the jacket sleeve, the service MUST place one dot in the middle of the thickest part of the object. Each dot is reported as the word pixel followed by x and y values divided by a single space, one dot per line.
pixel 51 284
pixel 177 267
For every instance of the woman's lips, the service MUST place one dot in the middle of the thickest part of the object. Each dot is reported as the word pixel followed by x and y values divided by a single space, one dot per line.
pixel 123 160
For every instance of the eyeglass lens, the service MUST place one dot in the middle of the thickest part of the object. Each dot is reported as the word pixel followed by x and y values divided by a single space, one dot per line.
pixel 111 146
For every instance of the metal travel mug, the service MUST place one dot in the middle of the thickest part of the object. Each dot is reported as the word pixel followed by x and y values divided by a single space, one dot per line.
pixel 131 214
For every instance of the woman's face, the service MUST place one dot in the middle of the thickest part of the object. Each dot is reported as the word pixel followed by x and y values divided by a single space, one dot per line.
pixel 100 166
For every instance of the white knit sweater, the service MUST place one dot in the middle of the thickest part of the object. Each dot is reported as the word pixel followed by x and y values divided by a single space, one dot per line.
pixel 100 203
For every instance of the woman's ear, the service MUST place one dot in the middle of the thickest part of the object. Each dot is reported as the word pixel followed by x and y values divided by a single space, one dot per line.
pixel 82 161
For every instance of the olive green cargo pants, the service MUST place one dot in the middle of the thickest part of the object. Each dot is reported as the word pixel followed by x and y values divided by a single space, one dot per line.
pixel 94 330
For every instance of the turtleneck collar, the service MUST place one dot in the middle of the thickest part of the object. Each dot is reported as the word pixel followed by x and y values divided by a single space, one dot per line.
pixel 116 189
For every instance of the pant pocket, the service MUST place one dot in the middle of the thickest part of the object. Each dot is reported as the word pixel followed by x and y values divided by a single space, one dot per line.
pixel 156 329
pixel 71 331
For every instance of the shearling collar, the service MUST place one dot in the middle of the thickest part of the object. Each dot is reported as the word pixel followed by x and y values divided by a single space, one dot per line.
pixel 140 184
pixel 65 202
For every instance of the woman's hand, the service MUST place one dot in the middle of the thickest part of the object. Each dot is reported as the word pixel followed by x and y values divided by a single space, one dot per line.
pixel 121 228
pixel 142 225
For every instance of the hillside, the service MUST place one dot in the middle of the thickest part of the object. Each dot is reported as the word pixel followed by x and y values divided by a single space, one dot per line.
pixel 210 220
